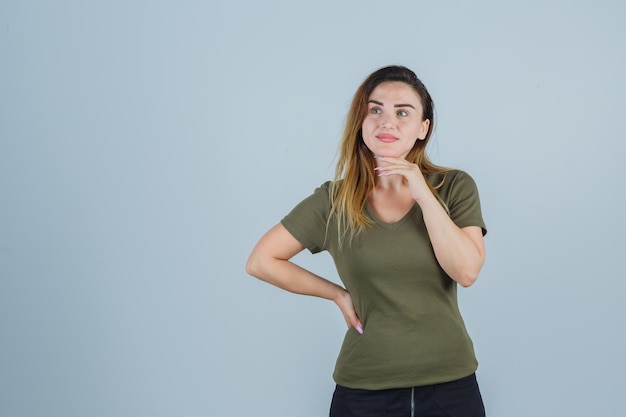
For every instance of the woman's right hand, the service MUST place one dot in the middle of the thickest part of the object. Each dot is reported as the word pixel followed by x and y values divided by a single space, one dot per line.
pixel 269 261
pixel 345 304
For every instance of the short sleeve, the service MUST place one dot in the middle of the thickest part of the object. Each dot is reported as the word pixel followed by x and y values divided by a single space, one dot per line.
pixel 307 222
pixel 463 200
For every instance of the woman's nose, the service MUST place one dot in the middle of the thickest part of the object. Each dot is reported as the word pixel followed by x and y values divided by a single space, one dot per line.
pixel 387 121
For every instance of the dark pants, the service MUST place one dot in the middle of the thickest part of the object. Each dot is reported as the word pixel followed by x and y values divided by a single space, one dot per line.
pixel 460 398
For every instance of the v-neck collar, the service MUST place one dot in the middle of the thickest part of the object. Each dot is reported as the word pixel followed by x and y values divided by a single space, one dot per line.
pixel 390 226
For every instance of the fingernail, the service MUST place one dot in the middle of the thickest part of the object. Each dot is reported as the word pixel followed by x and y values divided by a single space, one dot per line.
pixel 359 329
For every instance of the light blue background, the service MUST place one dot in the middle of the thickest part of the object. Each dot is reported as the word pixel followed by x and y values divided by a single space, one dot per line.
pixel 146 146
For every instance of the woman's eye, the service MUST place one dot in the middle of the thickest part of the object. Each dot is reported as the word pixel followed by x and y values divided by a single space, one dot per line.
pixel 375 110
pixel 402 113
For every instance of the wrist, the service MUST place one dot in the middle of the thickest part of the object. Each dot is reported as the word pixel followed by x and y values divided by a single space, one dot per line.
pixel 339 294
pixel 427 198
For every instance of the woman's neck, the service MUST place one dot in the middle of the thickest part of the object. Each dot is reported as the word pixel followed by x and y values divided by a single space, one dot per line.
pixel 390 183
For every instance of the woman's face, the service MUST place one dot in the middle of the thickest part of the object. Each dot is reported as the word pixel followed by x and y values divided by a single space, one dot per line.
pixel 394 120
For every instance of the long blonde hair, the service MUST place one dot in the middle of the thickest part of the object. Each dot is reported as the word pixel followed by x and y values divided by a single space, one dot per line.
pixel 354 174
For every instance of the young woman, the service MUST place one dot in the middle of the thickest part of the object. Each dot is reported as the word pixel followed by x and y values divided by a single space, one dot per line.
pixel 403 233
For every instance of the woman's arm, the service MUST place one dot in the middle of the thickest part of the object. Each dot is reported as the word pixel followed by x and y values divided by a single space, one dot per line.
pixel 270 262
pixel 459 251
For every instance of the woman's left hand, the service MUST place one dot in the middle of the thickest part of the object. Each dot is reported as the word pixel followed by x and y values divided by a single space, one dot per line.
pixel 460 252
pixel 411 172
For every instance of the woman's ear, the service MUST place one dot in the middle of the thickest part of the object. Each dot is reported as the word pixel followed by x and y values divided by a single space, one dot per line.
pixel 424 129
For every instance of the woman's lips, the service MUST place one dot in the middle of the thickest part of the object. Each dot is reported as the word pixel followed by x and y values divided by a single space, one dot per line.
pixel 387 138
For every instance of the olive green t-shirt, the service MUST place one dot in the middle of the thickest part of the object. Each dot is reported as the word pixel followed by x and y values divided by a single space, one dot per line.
pixel 413 332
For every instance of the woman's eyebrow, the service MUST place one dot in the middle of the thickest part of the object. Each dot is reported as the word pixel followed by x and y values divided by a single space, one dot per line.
pixel 395 105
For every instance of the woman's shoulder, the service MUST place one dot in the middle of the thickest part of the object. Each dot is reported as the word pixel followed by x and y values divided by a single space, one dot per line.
pixel 448 175
pixel 329 187
pixel 321 195
pixel 326 185
pixel 451 182
pixel 324 188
